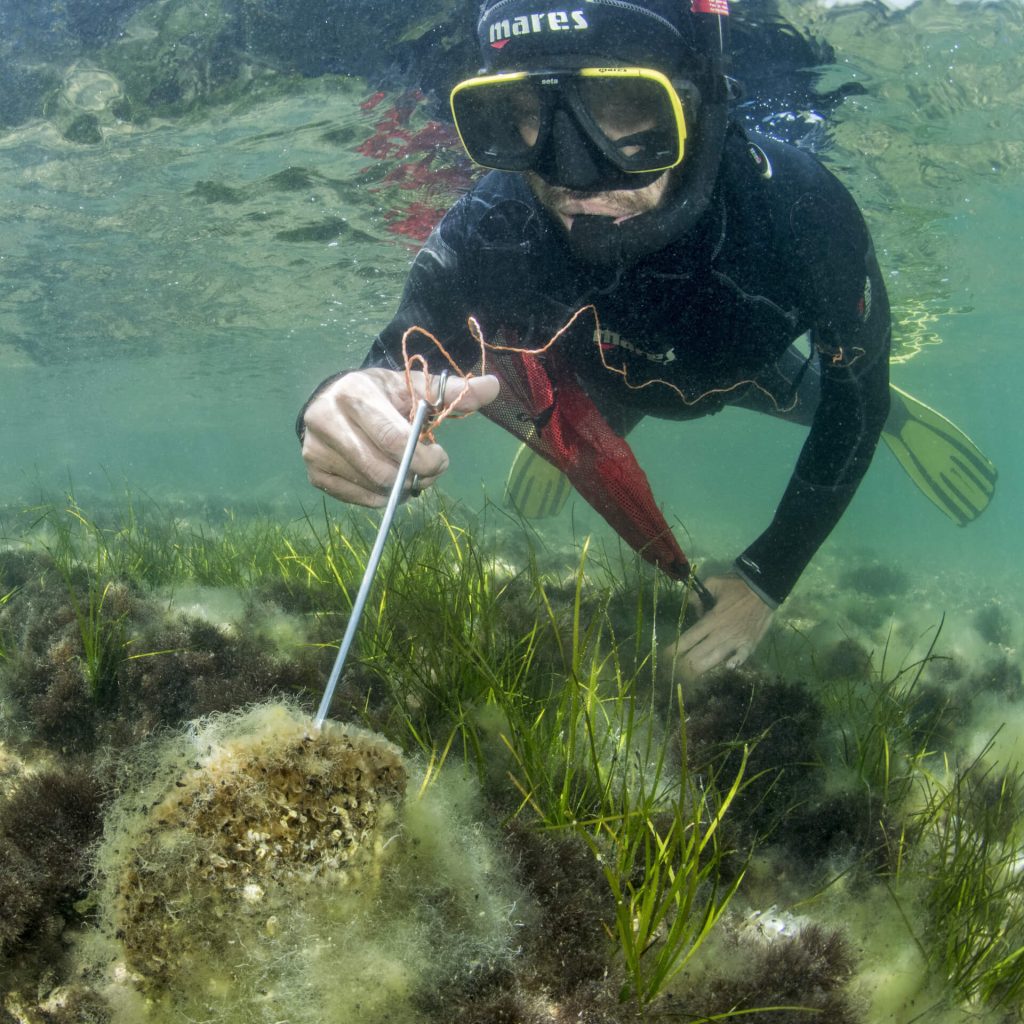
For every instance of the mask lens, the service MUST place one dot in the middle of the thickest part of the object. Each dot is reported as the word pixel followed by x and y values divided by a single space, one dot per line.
pixel 500 122
pixel 636 121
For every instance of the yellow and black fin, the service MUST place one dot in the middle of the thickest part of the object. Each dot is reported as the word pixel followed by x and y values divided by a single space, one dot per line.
pixel 939 457
pixel 535 488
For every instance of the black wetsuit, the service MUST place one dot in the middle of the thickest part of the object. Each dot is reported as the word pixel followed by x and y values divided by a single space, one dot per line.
pixel 781 251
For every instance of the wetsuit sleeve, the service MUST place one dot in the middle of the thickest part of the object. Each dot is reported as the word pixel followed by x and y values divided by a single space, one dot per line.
pixel 851 332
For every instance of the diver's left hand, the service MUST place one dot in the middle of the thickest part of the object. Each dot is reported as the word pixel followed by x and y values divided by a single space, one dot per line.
pixel 729 633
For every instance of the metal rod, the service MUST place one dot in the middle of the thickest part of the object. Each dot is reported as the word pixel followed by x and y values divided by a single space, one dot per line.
pixel 371 566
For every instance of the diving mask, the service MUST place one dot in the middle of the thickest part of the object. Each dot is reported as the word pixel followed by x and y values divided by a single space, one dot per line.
pixel 576 128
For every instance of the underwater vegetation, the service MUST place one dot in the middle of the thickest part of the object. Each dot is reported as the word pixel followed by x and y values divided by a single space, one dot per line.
pixel 778 724
pixel 46 827
pixel 969 854
pixel 783 979
pixel 516 811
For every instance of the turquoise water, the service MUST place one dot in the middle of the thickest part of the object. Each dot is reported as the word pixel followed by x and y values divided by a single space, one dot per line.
pixel 170 294
pixel 165 339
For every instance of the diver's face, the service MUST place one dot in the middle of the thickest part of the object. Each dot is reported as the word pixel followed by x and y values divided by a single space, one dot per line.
pixel 564 203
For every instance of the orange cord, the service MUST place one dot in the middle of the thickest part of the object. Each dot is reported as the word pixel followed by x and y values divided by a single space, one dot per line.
pixel 415 359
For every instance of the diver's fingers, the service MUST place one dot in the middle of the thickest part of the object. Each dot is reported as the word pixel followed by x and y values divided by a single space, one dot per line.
pixel 359 476
pixel 730 632
pixel 714 652
pixel 462 394
pixel 356 431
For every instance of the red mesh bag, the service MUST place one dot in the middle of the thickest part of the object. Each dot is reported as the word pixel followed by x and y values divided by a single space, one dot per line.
pixel 560 422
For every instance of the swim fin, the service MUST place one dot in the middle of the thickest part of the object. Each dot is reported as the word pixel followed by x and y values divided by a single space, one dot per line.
pixel 535 488
pixel 941 459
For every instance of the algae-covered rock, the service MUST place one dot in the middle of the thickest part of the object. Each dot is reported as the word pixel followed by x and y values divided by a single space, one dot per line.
pixel 254 870
pixel 267 810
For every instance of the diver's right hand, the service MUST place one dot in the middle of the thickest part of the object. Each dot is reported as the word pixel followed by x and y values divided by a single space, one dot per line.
pixel 357 428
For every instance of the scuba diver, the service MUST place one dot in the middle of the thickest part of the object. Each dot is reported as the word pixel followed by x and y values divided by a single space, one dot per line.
pixel 633 252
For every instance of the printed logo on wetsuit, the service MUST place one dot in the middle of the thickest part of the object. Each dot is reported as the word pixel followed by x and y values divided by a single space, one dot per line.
pixel 530 24
pixel 608 340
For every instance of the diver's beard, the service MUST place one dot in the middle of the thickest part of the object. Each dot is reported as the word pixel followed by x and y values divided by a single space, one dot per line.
pixel 619 204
